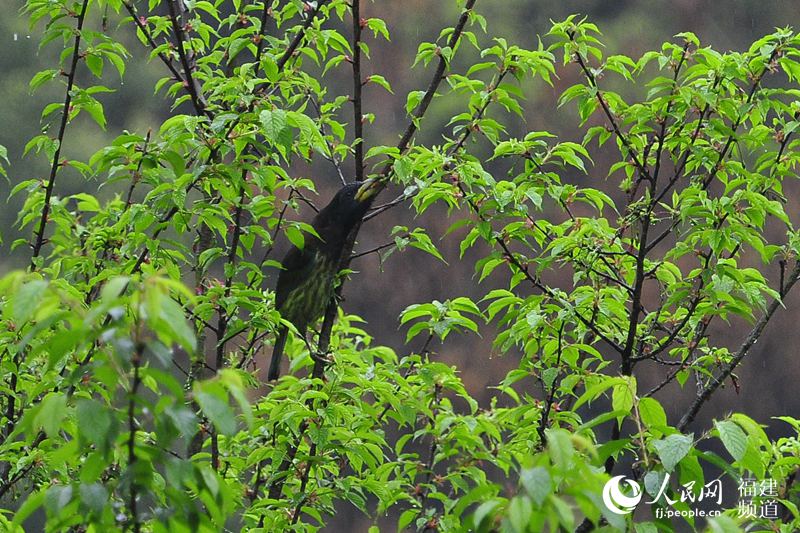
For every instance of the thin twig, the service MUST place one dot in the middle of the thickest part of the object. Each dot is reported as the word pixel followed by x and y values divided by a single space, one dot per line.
pixel 265 9
pixel 429 464
pixel 137 174
pixel 374 249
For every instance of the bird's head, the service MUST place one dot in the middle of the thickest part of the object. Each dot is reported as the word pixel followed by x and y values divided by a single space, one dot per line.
pixel 349 205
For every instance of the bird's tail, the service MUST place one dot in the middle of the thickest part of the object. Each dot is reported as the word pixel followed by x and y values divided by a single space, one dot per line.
pixel 277 354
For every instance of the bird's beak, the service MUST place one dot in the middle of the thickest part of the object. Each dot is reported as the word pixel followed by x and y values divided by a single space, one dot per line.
pixel 368 190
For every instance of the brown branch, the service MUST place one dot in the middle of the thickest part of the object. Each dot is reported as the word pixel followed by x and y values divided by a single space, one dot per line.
pixel 377 210
pixel 544 419
pixel 663 132
pixel 290 50
pixel 65 111
pixel 691 309
pixel 265 8
pixel 422 497
pixel 358 116
pixel 153 44
pixel 11 396
pixel 304 477
pixel 137 174
pixel 709 389
pixel 721 154
pixel 609 114
pixel 641 255
pixel 427 98
pixel 375 249
pixel 6 486
pixel 189 81
pixel 223 316
pixel 672 375
pixel 132 428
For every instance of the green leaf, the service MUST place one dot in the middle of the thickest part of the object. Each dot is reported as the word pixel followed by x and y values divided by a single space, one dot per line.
pixel 27 300
pixel 732 437
pixel 113 288
pixel 519 513
pixel 94 496
pixel 413 100
pixel 422 241
pixel 41 78
pixel 215 408
pixel 406 518
pixel 174 321
pixel 95 64
pixel 672 449
pixel 560 448
pixel 52 411
pixel 652 413
pixel 380 80
pixel 598 388
pixel 723 524
pixel 295 236
pixel 483 511
pixel 537 483
pixel 96 422
pixel 57 497
pixel 273 123
pixel 623 395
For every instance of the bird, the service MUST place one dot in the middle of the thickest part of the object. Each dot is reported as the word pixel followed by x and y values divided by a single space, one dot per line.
pixel 305 283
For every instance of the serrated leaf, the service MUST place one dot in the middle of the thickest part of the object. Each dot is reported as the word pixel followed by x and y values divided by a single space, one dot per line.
pixel 672 449
pixel 732 437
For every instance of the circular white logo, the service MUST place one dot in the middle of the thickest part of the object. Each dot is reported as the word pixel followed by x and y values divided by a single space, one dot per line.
pixel 616 501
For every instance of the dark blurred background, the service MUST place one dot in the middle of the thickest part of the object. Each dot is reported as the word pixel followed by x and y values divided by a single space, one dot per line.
pixel 381 291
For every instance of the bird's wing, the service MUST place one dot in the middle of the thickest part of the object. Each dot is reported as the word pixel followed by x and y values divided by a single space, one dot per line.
pixel 297 266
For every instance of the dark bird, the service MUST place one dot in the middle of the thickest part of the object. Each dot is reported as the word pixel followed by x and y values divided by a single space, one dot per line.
pixel 305 284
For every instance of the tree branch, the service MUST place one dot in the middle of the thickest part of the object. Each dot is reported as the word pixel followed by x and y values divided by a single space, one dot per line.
pixel 548 405
pixel 358 116
pixel 609 114
pixel 709 389
pixel 191 84
pixel 427 98
pixel 295 42
pixel 140 24
pixel 65 111
pixel 136 360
